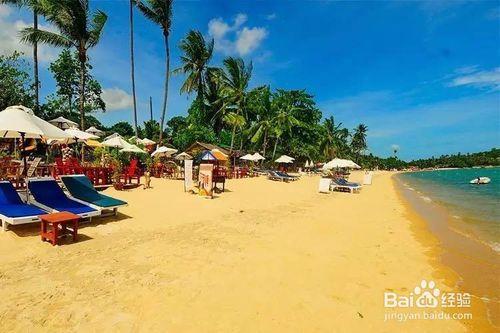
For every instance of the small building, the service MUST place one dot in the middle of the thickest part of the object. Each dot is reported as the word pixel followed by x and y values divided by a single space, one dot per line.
pixel 198 147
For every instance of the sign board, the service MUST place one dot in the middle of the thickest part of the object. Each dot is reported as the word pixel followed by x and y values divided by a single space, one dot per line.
pixel 367 179
pixel 324 185
pixel 188 175
pixel 205 179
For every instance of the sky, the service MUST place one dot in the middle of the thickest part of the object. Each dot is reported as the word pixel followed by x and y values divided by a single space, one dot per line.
pixel 423 76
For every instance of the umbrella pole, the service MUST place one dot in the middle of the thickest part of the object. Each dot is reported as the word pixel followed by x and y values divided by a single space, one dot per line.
pixel 25 163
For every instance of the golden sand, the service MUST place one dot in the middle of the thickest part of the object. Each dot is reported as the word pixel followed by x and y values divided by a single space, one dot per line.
pixel 263 257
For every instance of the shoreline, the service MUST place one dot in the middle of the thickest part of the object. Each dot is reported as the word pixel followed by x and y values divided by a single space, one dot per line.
pixel 469 264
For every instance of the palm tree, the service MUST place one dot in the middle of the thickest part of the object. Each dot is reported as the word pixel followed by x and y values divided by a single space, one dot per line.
pixel 333 140
pixel 77 28
pixel 265 114
pixel 32 4
pixel 358 142
pixel 160 13
pixel 132 74
pixel 235 78
pixel 283 122
pixel 197 54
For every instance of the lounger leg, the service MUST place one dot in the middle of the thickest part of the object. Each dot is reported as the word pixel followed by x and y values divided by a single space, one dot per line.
pixel 115 211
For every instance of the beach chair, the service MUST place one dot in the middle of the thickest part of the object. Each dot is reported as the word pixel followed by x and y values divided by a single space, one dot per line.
pixel 131 173
pixel 46 194
pixel 345 186
pixel 13 210
pixel 286 175
pixel 273 175
pixel 80 189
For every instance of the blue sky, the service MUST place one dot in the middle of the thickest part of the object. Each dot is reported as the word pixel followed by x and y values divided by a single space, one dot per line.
pixel 424 76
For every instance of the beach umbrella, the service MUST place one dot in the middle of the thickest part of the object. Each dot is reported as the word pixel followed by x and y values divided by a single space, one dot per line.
pixel 247 157
pixel 133 149
pixel 219 155
pixel 63 123
pixel 93 143
pixel 307 165
pixel 147 142
pixel 353 165
pixel 116 142
pixel 164 151
pixel 258 157
pixel 340 163
pixel 114 135
pixel 80 136
pixel 285 159
pixel 20 122
pixel 95 131
pixel 183 156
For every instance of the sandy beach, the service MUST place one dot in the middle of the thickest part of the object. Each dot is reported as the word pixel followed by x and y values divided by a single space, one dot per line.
pixel 263 257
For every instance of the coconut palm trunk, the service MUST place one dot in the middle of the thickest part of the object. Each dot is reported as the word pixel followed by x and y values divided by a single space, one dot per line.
pixel 264 144
pixel 132 71
pixel 82 56
pixel 275 146
pixel 167 77
pixel 35 62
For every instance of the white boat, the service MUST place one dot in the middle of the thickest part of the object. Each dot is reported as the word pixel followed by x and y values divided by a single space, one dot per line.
pixel 480 180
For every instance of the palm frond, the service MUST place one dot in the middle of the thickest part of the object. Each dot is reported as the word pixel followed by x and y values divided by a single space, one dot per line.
pixel 30 35
pixel 98 22
pixel 148 12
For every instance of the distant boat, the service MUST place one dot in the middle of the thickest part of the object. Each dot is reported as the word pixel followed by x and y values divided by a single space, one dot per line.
pixel 480 180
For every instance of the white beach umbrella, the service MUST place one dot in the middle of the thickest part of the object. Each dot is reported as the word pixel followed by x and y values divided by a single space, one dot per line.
pixel 258 157
pixel 164 151
pixel 285 159
pixel 340 163
pixel 353 165
pixel 114 135
pixel 148 142
pixel 80 135
pixel 63 123
pixel 247 157
pixel 20 122
pixel 133 149
pixel 95 131
pixel 183 156
pixel 307 165
pixel 116 142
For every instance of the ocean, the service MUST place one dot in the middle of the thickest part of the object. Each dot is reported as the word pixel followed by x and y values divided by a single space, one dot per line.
pixel 475 209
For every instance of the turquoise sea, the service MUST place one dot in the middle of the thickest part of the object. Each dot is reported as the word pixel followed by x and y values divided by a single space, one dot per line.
pixel 476 208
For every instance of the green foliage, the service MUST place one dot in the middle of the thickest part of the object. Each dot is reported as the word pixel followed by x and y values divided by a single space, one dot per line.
pixel 186 136
pixel 486 158
pixel 16 86
pixel 123 128
pixel 65 70
pixel 152 130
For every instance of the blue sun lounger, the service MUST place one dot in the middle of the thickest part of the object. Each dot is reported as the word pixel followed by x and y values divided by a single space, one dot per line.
pixel 46 194
pixel 81 189
pixel 343 185
pixel 13 210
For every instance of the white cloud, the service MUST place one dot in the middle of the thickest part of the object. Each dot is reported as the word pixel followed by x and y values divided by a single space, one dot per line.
pixel 116 99
pixel 271 17
pixel 249 39
pixel 235 38
pixel 476 78
pixel 9 37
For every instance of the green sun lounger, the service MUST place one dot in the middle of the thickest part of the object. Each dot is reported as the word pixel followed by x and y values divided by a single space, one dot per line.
pixel 81 189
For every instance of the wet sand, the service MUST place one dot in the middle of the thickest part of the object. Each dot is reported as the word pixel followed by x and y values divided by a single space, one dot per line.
pixel 476 264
